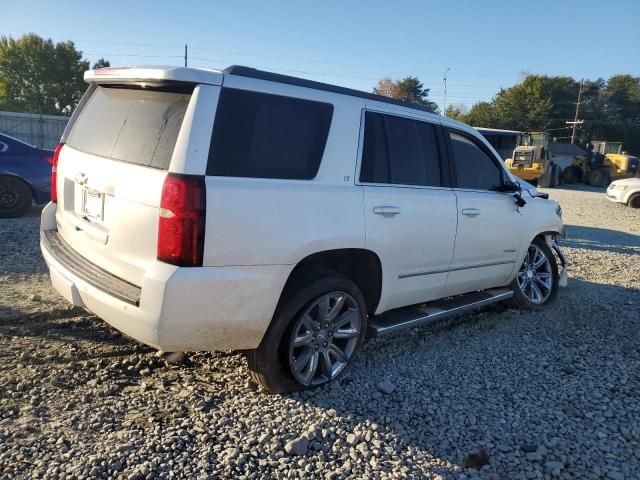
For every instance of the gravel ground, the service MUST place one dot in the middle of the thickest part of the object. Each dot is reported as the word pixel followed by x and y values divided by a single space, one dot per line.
pixel 552 394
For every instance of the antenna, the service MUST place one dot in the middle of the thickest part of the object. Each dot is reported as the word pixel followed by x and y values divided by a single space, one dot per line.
pixel 444 101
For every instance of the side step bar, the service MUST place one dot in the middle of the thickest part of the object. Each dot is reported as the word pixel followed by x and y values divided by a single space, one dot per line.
pixel 408 317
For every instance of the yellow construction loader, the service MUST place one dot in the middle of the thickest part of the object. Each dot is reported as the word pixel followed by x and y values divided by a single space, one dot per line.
pixel 605 162
pixel 531 160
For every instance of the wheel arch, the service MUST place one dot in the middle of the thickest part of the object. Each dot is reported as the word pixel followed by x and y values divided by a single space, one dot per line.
pixel 632 196
pixel 361 266
pixel 545 235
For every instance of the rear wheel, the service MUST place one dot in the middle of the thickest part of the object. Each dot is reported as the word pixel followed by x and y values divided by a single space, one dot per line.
pixel 15 197
pixel 599 178
pixel 313 337
pixel 572 174
pixel 536 284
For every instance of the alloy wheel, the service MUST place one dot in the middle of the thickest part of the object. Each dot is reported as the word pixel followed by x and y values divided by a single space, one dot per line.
pixel 324 338
pixel 535 277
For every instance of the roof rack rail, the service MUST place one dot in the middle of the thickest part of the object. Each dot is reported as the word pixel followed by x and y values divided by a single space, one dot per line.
pixel 249 72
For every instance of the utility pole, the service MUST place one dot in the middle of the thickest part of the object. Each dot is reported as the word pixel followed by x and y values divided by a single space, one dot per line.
pixel 444 101
pixel 185 54
pixel 576 122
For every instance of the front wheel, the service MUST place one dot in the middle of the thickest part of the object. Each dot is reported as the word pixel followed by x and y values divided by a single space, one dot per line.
pixel 634 202
pixel 572 174
pixel 313 337
pixel 599 178
pixel 536 284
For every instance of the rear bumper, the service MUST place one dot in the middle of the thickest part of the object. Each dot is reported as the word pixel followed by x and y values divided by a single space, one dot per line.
pixel 179 309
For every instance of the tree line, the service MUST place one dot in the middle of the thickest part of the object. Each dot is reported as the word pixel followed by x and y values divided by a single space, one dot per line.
pixel 610 108
pixel 40 76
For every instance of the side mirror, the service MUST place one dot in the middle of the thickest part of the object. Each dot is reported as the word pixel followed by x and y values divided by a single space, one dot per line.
pixel 510 186
pixel 520 202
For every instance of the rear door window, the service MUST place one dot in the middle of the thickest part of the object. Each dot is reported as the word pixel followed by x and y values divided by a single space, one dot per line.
pixel 262 135
pixel 399 151
pixel 474 168
pixel 131 125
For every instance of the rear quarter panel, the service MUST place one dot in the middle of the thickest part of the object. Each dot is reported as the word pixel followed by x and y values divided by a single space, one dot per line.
pixel 253 221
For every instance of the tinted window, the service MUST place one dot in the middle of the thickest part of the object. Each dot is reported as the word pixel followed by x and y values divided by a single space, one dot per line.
pixel 268 136
pixel 399 151
pixel 132 125
pixel 474 168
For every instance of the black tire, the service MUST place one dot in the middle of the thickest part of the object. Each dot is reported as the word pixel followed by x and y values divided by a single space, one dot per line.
pixel 555 176
pixel 572 174
pixel 520 300
pixel 599 178
pixel 269 364
pixel 634 201
pixel 545 180
pixel 15 197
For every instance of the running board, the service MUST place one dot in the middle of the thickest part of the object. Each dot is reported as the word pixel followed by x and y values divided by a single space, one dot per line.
pixel 408 317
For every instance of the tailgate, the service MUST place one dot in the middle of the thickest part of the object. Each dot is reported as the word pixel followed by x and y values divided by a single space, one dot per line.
pixel 110 175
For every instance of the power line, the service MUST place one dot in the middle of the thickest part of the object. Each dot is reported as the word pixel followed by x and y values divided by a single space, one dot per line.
pixel 275 57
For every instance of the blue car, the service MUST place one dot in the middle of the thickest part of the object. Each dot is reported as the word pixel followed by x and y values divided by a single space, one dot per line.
pixel 25 176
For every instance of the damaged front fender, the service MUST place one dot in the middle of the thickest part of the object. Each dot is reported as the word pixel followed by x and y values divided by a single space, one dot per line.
pixel 564 263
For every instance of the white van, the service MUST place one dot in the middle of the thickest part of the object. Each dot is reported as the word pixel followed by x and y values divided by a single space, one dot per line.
pixel 240 209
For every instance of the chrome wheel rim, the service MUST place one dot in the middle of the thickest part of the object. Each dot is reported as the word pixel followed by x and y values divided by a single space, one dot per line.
pixel 535 277
pixel 324 338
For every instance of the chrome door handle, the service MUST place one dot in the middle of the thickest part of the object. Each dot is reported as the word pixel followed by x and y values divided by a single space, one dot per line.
pixel 471 212
pixel 386 211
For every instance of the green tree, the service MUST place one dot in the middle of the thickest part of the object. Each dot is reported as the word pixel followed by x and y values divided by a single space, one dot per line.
pixel 483 114
pixel 40 76
pixel 409 89
pixel 101 63
pixel 621 108
pixel 456 112
pixel 539 102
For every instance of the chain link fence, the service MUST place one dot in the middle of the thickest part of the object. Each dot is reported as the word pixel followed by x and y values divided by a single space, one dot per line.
pixel 42 131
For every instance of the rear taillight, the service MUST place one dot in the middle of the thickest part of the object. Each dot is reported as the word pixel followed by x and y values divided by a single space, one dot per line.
pixel 181 225
pixel 54 172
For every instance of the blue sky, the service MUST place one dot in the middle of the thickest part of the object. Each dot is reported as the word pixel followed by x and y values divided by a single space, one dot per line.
pixel 486 44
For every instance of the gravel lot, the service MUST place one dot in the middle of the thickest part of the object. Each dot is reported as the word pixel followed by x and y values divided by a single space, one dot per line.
pixel 542 395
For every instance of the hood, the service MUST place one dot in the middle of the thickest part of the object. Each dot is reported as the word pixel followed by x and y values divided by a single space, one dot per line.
pixel 627 181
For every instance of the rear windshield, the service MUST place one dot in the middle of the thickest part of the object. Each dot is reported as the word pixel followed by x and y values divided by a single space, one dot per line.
pixel 131 125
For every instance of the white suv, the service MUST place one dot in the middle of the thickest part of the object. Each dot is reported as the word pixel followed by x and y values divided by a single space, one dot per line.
pixel 240 209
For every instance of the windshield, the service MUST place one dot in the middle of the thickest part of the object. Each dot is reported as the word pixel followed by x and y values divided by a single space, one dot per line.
pixel 531 140
pixel 613 147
